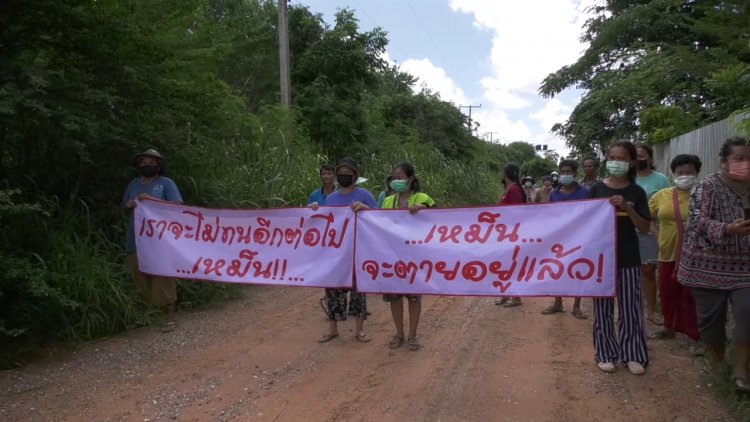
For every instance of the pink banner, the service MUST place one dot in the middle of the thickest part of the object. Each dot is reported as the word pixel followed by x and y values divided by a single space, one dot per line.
pixel 560 249
pixel 286 247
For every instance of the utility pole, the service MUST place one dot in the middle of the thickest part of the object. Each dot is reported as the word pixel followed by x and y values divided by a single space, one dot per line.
pixel 470 107
pixel 490 133
pixel 286 83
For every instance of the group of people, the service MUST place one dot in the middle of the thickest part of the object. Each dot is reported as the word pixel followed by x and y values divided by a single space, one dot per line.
pixel 695 233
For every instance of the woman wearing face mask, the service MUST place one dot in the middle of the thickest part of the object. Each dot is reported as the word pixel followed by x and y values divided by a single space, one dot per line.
pixel 407 196
pixel 715 258
pixel 339 300
pixel 670 207
pixel 513 195
pixel 628 344
pixel 151 184
pixel 569 190
pixel 651 181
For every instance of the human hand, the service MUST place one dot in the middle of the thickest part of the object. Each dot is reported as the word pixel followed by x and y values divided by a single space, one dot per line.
pixel 356 206
pixel 738 227
pixel 416 207
pixel 131 204
pixel 145 196
pixel 314 206
pixel 619 201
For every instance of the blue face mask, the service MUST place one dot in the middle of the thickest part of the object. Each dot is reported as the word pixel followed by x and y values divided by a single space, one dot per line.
pixel 567 179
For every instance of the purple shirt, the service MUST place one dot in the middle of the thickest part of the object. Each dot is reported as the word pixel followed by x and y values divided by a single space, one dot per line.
pixel 579 192
pixel 358 194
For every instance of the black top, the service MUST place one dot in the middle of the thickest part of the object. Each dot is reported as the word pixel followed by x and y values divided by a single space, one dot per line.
pixel 628 254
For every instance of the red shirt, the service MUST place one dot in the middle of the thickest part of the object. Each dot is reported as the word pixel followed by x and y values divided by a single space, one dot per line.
pixel 513 195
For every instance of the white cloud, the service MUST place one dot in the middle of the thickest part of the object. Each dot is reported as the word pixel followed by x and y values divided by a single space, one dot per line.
pixel 435 78
pixel 530 40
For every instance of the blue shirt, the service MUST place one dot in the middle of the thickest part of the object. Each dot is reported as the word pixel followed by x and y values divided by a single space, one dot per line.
pixel 162 188
pixel 653 183
pixel 318 195
pixel 358 194
pixel 581 192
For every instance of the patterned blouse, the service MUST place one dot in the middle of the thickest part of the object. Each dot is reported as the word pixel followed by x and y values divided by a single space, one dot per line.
pixel 710 259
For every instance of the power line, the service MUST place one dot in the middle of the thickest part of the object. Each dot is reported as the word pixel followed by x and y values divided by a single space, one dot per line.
pixel 440 52
pixel 375 24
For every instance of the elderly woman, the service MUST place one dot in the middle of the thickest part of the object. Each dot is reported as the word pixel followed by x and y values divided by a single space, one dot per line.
pixel 670 207
pixel 715 259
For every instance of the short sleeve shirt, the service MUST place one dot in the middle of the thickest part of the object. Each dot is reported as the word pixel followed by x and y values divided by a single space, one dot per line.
pixel 358 194
pixel 653 183
pixel 162 188
pixel 580 192
pixel 513 195
pixel 416 198
pixel 318 195
pixel 661 206
pixel 628 254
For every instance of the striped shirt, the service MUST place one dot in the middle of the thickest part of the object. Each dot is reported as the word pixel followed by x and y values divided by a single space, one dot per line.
pixel 710 259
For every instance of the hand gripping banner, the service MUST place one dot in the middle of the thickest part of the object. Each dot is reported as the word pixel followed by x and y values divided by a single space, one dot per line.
pixel 557 249
pixel 286 247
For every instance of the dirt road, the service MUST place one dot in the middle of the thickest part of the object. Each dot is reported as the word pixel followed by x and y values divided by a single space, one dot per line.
pixel 256 358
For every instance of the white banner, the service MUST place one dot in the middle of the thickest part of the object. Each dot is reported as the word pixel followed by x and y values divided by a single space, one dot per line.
pixel 555 249
pixel 286 247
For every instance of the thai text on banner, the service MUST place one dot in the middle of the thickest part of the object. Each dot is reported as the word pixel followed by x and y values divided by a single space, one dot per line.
pixel 558 249
pixel 289 247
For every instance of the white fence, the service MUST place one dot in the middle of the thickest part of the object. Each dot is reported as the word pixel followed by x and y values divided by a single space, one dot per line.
pixel 705 142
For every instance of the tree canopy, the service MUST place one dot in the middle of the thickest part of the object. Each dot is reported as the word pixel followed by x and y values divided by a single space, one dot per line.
pixel 655 69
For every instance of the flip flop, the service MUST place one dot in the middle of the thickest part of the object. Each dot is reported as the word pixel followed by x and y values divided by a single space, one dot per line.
pixel 502 301
pixel 741 385
pixel 413 343
pixel 396 342
pixel 552 310
pixel 327 337
pixel 655 320
pixel 661 335
pixel 362 338
pixel 171 325
pixel 579 314
pixel 513 303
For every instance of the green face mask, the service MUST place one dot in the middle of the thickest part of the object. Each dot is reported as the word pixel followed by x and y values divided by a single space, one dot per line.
pixel 399 185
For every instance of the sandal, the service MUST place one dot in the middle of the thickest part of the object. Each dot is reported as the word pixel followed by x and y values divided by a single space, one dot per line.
pixel 552 310
pixel 413 343
pixel 328 337
pixel 362 338
pixel 502 301
pixel 513 302
pixel 741 385
pixel 661 335
pixel 396 342
pixel 579 314
pixel 171 325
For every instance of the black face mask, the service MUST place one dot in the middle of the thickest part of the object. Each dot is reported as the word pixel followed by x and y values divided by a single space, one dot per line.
pixel 148 171
pixel 344 180
pixel 642 164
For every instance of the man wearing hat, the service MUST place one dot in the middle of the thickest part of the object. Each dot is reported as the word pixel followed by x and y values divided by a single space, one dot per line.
pixel 347 194
pixel 150 184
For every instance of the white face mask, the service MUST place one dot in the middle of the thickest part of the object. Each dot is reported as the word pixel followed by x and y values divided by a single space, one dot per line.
pixel 685 182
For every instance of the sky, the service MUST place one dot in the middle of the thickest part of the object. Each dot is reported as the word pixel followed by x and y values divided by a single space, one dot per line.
pixel 482 52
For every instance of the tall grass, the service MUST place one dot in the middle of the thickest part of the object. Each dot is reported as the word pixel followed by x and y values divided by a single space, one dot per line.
pixel 76 288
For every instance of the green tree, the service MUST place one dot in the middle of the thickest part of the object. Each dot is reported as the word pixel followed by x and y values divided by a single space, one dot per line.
pixel 651 59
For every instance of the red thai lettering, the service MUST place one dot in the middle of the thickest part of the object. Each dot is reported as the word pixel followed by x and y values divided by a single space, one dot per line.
pixel 448 273
pixel 474 271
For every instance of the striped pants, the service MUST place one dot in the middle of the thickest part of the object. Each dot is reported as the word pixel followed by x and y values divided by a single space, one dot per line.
pixel 629 343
